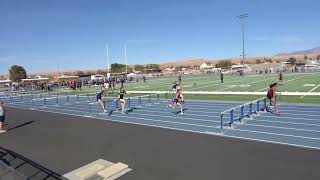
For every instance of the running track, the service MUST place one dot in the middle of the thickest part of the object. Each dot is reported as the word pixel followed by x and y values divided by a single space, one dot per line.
pixel 299 125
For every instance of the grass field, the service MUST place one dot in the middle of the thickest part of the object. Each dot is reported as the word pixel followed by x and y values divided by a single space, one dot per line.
pixel 296 82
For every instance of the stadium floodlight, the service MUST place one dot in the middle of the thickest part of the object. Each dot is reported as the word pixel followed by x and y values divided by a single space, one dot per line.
pixel 125 56
pixel 108 64
pixel 242 17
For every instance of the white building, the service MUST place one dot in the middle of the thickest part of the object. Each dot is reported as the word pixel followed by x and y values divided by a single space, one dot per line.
pixel 97 77
pixel 244 67
pixel 206 66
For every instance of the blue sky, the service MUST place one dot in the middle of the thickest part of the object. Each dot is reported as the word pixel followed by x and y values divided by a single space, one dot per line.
pixel 40 34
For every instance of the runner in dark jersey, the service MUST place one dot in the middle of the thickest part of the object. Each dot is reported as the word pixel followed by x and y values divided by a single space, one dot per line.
pixel 221 77
pixel 281 77
pixel 122 100
pixel 271 95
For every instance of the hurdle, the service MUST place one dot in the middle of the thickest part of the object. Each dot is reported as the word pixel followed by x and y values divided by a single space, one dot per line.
pixel 238 113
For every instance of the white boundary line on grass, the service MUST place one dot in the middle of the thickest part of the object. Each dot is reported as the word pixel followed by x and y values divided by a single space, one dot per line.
pixel 283 82
pixel 228 93
pixel 310 91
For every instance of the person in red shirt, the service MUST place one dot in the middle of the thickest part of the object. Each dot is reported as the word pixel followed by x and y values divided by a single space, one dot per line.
pixel 271 95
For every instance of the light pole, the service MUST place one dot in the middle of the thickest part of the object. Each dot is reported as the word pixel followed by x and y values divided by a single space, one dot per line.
pixel 242 18
pixel 108 64
pixel 125 56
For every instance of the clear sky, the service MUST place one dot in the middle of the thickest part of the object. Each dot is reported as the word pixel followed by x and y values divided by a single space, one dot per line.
pixel 40 34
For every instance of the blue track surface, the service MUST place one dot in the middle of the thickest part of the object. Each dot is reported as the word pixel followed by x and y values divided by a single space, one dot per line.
pixel 298 125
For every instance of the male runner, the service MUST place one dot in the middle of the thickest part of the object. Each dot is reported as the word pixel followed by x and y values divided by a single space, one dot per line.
pixel 101 99
pixel 221 77
pixel 271 95
pixel 281 77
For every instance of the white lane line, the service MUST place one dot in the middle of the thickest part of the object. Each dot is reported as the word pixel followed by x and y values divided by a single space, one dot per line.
pixel 277 134
pixel 281 122
pixel 310 91
pixel 273 142
pixel 277 127
pixel 72 110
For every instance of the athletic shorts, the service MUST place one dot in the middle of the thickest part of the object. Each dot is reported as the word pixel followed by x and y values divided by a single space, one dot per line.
pixel 98 98
pixel 2 118
pixel 269 97
pixel 175 100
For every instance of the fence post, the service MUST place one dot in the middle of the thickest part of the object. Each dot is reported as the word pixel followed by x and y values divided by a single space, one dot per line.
pixel 241 111
pixel 78 98
pixel 68 99
pixel 265 103
pixel 258 106
pixel 139 101
pixel 158 97
pixel 231 118
pixel 149 99
pixel 129 104
pixel 221 123
pixel 250 109
pixel 57 100
pixel 32 102
pixel 88 97
pixel 45 101
pixel 116 104
pixel 90 109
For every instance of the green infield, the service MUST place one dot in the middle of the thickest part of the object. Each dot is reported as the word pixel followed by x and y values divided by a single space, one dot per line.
pixel 295 82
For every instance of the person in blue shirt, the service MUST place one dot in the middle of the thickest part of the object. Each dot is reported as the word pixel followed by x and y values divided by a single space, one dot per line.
pixel 101 99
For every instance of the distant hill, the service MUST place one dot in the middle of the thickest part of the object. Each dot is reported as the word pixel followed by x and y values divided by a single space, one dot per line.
pixel 309 51
pixel 312 54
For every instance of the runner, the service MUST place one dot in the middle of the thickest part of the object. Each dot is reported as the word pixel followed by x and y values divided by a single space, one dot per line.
pixel 2 117
pixel 174 86
pixel 121 99
pixel 281 77
pixel 178 99
pixel 101 99
pixel 272 93
pixel 221 77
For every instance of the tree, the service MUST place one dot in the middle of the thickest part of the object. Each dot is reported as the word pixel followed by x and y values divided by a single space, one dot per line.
pixel 318 57
pixel 268 60
pixel 292 60
pixel 101 72
pixel 80 73
pixel 305 57
pixel 17 73
pixel 258 61
pixel 154 67
pixel 139 68
pixel 225 64
pixel 118 68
